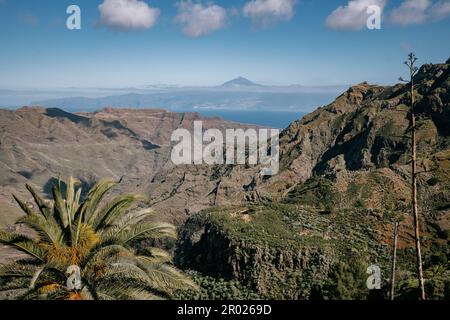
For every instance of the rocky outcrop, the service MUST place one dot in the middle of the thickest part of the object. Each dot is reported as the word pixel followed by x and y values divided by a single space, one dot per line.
pixel 364 129
pixel 345 177
pixel 205 246
pixel 131 146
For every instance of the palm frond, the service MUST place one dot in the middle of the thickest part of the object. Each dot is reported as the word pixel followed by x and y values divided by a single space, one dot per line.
pixel 16 286
pixel 60 209
pixel 95 196
pixel 48 230
pixel 104 253
pixel 25 208
pixel 23 244
pixel 73 196
pixel 35 277
pixel 152 230
pixel 164 276
pixel 126 289
pixel 44 207
pixel 158 255
pixel 16 270
pixel 127 281
pixel 112 210
pixel 130 219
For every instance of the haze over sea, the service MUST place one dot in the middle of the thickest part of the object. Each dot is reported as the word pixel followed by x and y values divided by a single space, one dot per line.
pixel 273 119
pixel 238 100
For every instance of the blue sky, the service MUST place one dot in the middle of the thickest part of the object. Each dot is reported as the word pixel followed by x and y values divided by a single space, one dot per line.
pixel 307 42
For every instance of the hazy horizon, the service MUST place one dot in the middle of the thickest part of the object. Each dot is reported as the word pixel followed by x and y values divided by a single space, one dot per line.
pixel 177 55
pixel 205 43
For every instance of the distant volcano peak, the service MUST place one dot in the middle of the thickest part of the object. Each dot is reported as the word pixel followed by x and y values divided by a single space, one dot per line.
pixel 240 82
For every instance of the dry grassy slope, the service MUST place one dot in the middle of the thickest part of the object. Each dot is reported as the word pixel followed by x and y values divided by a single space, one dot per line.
pixel 359 142
pixel 187 189
pixel 38 144
pixel 344 181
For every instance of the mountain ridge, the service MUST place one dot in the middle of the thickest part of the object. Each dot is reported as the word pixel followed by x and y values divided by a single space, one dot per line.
pixel 344 181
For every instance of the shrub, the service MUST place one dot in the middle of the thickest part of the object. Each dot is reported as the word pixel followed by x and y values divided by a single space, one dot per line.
pixel 216 289
pixel 347 281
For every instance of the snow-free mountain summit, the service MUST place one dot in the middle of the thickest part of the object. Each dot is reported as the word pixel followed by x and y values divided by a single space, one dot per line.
pixel 240 82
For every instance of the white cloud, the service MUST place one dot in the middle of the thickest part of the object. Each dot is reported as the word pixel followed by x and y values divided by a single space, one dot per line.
pixel 266 12
pixel 440 10
pixel 410 12
pixel 127 14
pixel 419 11
pixel 198 19
pixel 353 16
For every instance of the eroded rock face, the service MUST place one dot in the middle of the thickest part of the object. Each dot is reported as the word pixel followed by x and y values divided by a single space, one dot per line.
pixel 364 129
pixel 131 146
pixel 358 143
pixel 267 269
pixel 350 161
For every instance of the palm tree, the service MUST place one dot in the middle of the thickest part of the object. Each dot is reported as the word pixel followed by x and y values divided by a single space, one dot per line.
pixel 85 250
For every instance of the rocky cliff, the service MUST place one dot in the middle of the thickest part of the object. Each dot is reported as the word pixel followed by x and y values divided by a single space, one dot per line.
pixel 345 179
pixel 38 145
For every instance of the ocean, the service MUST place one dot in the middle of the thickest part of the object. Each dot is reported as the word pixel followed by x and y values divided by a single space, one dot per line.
pixel 272 119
